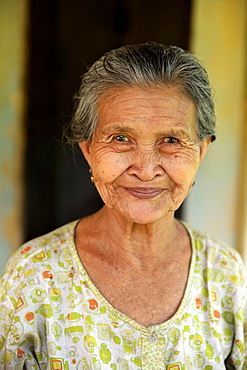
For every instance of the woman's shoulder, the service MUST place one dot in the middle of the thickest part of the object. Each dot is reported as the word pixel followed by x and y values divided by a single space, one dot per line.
pixel 43 250
pixel 213 248
pixel 217 264
pixel 51 240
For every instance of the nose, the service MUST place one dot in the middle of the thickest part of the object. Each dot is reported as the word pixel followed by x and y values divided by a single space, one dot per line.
pixel 145 166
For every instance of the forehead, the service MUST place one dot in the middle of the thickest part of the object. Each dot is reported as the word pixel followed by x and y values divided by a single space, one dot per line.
pixel 157 105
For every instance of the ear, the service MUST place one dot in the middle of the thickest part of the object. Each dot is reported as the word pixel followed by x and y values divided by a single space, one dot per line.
pixel 85 147
pixel 204 145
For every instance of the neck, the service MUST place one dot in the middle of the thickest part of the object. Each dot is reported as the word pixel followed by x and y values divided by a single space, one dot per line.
pixel 143 246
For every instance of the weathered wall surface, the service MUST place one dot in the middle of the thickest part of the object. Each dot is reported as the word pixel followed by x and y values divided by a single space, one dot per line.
pixel 217 203
pixel 12 106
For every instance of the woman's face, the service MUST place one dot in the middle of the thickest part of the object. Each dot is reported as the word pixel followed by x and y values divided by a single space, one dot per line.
pixel 145 151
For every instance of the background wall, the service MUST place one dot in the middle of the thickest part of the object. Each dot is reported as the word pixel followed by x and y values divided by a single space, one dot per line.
pixel 13 18
pixel 218 201
pixel 42 184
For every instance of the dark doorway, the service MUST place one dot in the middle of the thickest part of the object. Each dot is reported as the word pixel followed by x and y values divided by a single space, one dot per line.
pixel 64 37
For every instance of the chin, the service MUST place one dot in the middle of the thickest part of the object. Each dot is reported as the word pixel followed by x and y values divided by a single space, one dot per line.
pixel 143 211
pixel 144 217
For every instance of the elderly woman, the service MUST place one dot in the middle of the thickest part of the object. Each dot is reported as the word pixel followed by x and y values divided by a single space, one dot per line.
pixel 130 286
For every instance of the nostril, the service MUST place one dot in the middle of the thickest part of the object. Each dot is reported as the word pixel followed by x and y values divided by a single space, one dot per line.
pixel 146 172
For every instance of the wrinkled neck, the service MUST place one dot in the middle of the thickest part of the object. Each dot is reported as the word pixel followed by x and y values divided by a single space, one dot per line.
pixel 143 246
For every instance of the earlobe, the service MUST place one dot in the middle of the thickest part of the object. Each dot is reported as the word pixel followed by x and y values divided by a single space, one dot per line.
pixel 204 147
pixel 86 150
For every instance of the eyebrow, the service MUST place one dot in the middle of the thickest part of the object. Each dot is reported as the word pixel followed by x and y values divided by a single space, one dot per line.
pixel 179 133
pixel 117 128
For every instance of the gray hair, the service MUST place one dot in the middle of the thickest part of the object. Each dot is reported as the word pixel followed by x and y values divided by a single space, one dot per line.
pixel 144 65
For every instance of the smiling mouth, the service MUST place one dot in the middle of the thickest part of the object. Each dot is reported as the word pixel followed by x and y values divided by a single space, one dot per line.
pixel 144 193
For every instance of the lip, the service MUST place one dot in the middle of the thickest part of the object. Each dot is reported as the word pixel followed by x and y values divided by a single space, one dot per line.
pixel 144 193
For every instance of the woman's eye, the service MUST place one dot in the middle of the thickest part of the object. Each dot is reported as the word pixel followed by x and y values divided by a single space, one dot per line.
pixel 121 138
pixel 171 140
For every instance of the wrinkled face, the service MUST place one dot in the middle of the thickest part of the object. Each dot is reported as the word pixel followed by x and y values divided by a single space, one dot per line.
pixel 145 151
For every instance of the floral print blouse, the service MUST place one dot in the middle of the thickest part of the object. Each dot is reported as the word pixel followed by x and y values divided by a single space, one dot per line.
pixel 53 317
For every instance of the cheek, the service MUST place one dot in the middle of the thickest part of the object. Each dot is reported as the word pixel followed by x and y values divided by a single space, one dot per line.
pixel 109 166
pixel 181 169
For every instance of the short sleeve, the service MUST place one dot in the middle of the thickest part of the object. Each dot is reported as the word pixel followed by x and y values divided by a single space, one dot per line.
pixel 18 336
pixel 238 357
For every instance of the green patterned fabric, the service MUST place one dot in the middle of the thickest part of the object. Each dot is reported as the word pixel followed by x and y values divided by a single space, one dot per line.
pixel 53 317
